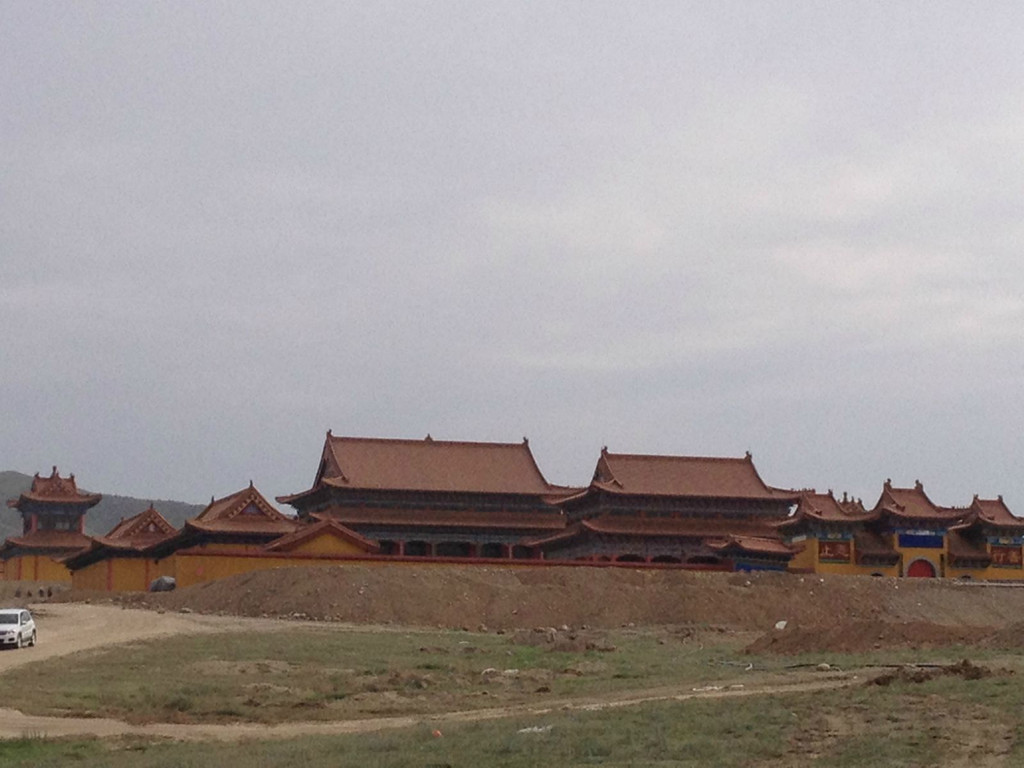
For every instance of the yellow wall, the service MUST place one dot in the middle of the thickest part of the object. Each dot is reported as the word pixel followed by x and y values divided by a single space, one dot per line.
pixel 197 568
pixel 120 574
pixel 35 568
pixel 805 560
pixel 809 560
pixel 93 576
pixel 993 572
pixel 327 544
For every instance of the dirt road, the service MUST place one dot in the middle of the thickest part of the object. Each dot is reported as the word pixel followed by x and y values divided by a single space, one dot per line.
pixel 68 628
pixel 71 628
pixel 14 724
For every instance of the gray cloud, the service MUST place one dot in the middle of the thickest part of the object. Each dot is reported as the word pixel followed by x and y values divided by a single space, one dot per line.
pixel 664 227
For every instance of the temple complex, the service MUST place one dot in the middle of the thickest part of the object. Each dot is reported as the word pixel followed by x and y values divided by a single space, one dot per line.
pixel 376 499
pixel 53 527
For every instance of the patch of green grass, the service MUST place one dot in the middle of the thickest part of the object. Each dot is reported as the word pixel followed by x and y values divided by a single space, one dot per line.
pixel 317 673
pixel 936 723
pixel 39 752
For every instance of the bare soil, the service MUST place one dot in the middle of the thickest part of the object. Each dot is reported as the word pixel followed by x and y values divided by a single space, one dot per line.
pixel 820 613
pixel 838 613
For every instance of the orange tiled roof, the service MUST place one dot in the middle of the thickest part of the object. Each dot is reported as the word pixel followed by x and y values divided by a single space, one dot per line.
pixel 139 531
pixel 914 504
pixel 245 511
pixel 717 532
pixel 428 465
pixel 647 475
pixel 55 540
pixel 55 489
pixel 827 508
pixel 962 549
pixel 995 512
pixel 753 544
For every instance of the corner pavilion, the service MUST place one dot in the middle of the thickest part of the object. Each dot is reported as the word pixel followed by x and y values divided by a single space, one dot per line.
pixel 53 527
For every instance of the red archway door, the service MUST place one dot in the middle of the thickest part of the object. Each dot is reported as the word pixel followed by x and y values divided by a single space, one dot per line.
pixel 921 569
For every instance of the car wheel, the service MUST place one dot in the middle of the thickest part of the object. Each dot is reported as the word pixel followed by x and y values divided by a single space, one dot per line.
pixel 20 643
pixel 32 641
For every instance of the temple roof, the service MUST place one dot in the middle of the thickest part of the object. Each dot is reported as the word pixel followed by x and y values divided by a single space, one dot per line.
pixel 57 541
pixel 428 466
pixel 649 475
pixel 914 504
pixel 245 511
pixel 692 528
pixel 55 489
pixel 754 545
pixel 139 531
pixel 961 549
pixel 873 545
pixel 826 508
pixel 995 513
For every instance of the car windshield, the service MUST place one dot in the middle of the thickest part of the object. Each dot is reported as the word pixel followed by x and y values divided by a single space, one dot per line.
pixel 8 618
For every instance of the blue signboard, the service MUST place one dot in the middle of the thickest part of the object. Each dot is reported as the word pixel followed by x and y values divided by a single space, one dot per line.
pixel 920 540
pixel 748 567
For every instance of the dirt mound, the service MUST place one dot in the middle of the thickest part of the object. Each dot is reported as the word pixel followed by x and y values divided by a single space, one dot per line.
pixel 1010 637
pixel 526 597
pixel 911 673
pixel 863 636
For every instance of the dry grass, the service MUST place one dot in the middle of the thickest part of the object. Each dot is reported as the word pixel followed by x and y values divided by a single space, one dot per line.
pixel 948 721
pixel 333 674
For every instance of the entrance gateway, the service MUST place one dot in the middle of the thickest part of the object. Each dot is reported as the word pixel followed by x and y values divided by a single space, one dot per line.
pixel 921 569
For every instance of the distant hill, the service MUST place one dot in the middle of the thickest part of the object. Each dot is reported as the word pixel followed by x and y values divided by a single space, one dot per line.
pixel 100 518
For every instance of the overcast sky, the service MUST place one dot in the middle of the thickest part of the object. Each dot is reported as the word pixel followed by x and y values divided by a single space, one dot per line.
pixel 665 227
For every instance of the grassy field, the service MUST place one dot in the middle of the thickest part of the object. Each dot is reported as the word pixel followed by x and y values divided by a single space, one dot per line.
pixel 336 674
pixel 942 722
pixel 323 674
pixel 318 673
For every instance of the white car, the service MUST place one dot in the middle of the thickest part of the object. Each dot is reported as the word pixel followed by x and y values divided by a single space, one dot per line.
pixel 17 628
